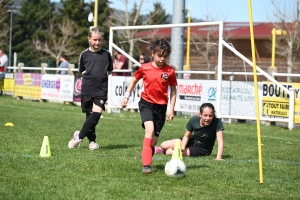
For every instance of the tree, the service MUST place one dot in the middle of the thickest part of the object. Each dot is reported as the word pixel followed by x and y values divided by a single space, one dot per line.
pixel 289 17
pixel 30 24
pixel 59 39
pixel 4 22
pixel 207 46
pixel 134 18
pixel 159 15
pixel 104 12
pixel 77 11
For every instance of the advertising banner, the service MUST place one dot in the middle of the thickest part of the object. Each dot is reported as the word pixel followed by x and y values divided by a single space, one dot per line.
pixel 57 87
pixel 118 89
pixel 77 89
pixel 8 84
pixel 237 97
pixel 28 85
pixel 276 101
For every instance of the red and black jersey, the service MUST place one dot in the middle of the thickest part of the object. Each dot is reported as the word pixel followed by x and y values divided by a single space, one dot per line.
pixel 94 67
pixel 156 82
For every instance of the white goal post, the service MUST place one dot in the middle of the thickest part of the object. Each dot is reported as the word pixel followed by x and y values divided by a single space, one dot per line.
pixel 220 43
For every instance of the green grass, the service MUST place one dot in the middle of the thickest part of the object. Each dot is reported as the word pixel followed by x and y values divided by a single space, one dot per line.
pixel 114 171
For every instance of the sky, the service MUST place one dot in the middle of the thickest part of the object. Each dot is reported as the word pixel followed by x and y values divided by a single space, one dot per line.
pixel 217 10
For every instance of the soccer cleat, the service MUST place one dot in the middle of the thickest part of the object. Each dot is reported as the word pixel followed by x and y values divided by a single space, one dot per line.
pixel 158 150
pixel 75 140
pixel 147 169
pixel 93 146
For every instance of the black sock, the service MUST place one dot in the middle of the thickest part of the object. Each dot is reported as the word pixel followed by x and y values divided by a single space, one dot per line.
pixel 89 124
pixel 92 132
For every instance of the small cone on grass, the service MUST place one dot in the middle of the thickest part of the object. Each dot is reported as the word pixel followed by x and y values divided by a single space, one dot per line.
pixel 45 149
pixel 177 153
pixel 9 124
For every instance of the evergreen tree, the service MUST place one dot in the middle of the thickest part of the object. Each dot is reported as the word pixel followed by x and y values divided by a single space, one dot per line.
pixel 159 15
pixel 30 23
pixel 77 11
pixel 104 13
pixel 5 23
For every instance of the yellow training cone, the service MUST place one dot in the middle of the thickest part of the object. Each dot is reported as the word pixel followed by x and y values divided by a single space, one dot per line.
pixel 177 153
pixel 9 124
pixel 45 149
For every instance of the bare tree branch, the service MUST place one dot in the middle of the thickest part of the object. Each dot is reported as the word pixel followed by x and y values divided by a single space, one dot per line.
pixel 287 46
pixel 58 40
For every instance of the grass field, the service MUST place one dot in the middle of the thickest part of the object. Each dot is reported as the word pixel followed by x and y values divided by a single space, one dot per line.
pixel 114 171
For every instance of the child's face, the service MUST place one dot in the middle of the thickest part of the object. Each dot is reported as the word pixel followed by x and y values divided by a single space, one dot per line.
pixel 207 116
pixel 160 58
pixel 95 41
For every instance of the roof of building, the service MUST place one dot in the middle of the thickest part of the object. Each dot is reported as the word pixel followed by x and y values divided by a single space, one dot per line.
pixel 238 30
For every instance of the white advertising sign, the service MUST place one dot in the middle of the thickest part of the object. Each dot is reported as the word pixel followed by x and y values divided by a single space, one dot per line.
pixel 118 89
pixel 237 98
pixel 57 87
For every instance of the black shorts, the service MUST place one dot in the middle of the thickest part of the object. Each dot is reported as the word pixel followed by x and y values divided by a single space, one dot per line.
pixel 88 100
pixel 196 151
pixel 153 112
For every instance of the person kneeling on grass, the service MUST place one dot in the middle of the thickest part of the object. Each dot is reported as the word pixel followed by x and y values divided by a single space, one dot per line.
pixel 206 127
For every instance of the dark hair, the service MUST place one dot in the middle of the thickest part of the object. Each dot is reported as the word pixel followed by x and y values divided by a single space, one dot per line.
pixel 207 105
pixel 64 56
pixel 161 45
pixel 115 50
pixel 146 58
pixel 136 68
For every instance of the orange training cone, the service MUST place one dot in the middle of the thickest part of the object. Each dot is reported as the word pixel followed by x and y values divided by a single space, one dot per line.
pixel 177 153
pixel 45 149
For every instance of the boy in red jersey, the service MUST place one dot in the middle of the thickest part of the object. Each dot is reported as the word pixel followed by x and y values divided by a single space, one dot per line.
pixel 157 78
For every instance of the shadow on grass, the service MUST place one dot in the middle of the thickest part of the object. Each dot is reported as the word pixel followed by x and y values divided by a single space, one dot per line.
pixel 223 157
pixel 118 146
pixel 162 167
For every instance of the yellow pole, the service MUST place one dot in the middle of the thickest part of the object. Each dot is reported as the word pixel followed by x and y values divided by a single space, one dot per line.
pixel 256 92
pixel 274 33
pixel 273 46
pixel 95 13
pixel 188 42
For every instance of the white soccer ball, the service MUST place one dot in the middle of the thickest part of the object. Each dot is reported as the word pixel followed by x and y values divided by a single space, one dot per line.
pixel 175 168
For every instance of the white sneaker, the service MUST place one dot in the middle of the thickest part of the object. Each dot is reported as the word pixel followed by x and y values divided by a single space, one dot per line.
pixel 93 146
pixel 75 140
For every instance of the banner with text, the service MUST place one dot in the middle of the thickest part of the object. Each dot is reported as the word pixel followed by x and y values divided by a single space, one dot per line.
pixel 275 101
pixel 28 85
pixel 118 89
pixel 9 84
pixel 237 98
pixel 57 87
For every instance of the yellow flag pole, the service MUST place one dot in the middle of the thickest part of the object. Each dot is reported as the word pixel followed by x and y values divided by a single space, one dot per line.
pixel 273 46
pixel 95 13
pixel 188 42
pixel 256 92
